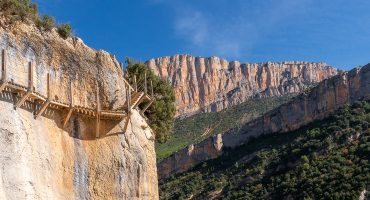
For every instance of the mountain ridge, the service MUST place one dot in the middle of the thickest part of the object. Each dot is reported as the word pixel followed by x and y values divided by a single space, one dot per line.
pixel 213 84
pixel 317 103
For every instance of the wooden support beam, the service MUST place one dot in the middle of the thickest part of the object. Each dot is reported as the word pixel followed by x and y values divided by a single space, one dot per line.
pixel 69 114
pixel 146 107
pixel 98 110
pixel 43 108
pixel 22 100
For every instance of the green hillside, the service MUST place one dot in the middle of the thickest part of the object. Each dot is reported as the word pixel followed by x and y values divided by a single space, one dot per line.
pixel 197 127
pixel 328 159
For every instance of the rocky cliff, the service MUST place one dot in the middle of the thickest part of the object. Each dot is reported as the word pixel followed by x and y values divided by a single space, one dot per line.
pixel 42 160
pixel 212 84
pixel 318 103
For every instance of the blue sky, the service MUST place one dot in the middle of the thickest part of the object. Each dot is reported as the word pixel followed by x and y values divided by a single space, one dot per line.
pixel 333 31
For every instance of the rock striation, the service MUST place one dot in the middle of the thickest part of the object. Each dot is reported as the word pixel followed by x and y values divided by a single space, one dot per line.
pixel 318 103
pixel 42 160
pixel 212 84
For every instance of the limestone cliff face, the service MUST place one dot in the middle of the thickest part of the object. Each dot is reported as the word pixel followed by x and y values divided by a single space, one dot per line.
pixel 212 84
pixel 40 159
pixel 319 103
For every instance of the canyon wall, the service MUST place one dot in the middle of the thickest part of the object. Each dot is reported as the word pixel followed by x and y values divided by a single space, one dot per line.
pixel 41 159
pixel 318 103
pixel 212 84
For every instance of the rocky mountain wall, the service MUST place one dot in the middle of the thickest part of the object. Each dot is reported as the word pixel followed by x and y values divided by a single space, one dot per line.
pixel 318 103
pixel 212 84
pixel 42 160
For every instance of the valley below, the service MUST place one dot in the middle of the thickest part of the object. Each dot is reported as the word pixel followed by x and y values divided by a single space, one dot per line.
pixel 281 154
pixel 77 123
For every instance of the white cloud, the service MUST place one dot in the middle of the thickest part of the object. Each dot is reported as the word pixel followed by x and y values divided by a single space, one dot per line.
pixel 193 27
pixel 238 32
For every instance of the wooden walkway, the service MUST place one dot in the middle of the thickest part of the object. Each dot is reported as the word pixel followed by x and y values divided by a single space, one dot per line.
pixel 134 97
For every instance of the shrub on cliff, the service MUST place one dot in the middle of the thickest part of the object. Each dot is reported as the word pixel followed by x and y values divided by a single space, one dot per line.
pixel 64 30
pixel 46 22
pixel 19 9
pixel 161 113
pixel 24 10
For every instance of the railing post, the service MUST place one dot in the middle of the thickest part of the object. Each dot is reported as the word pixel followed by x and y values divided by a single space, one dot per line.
pixel 47 102
pixel 71 105
pixel 123 70
pixel 48 86
pixel 145 84
pixel 128 99
pixel 71 94
pixel 135 83
pixel 3 65
pixel 30 87
pixel 30 74
pixel 3 73
pixel 97 111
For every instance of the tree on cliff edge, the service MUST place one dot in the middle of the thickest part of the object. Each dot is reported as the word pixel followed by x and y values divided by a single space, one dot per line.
pixel 162 112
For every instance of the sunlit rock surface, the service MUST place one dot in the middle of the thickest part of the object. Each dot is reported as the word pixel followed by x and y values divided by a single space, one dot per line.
pixel 212 84
pixel 40 159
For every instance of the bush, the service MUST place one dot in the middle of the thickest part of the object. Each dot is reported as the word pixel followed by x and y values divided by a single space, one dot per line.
pixel 64 30
pixel 25 10
pixel 19 9
pixel 162 112
pixel 46 22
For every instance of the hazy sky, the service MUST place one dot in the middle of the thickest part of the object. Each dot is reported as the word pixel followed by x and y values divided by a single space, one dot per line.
pixel 333 31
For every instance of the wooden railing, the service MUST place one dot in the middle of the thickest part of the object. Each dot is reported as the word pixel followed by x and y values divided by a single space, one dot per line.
pixel 140 85
pixel 28 93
